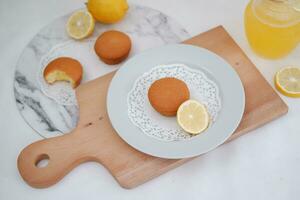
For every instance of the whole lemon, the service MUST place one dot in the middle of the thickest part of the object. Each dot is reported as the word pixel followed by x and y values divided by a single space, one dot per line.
pixel 107 11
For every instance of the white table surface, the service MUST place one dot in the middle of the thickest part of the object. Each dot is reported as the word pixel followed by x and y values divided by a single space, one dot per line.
pixel 264 164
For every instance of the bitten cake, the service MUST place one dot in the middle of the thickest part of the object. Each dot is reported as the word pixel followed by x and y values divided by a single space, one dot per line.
pixel 64 69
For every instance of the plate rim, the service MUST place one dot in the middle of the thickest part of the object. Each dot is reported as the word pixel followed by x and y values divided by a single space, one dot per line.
pixel 174 149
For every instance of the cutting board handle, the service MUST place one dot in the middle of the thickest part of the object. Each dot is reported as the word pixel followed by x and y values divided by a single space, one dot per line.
pixel 63 154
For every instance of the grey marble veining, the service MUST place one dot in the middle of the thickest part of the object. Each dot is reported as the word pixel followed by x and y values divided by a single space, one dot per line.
pixel 147 27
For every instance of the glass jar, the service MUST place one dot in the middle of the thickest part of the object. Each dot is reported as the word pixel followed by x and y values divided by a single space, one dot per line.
pixel 273 26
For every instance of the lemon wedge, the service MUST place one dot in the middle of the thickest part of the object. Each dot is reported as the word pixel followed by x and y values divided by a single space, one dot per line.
pixel 287 81
pixel 80 24
pixel 193 117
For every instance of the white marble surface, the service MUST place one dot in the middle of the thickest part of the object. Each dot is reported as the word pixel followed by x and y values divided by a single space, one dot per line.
pixel 51 110
pixel 261 165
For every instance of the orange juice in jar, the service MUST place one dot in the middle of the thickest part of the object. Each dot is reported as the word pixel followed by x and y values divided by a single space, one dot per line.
pixel 273 26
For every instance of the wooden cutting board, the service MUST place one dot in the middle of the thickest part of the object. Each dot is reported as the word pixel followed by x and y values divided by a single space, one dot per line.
pixel 94 139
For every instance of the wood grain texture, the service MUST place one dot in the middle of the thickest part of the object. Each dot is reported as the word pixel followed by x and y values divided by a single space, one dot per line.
pixel 94 139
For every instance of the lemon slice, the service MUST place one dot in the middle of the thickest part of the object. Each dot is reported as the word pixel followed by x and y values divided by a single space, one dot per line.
pixel 80 24
pixel 287 81
pixel 192 116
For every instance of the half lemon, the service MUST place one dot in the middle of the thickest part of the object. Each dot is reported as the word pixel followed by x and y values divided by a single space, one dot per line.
pixel 287 81
pixel 193 117
pixel 80 24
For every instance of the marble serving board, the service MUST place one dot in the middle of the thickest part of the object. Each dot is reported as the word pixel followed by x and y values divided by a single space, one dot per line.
pixel 47 115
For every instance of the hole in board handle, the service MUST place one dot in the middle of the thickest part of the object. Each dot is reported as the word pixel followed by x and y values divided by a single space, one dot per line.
pixel 42 161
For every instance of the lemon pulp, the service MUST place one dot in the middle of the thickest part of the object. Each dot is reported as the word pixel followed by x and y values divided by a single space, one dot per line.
pixel 193 117
pixel 80 24
pixel 287 81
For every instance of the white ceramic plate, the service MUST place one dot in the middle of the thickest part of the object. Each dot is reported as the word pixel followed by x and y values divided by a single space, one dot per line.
pixel 230 86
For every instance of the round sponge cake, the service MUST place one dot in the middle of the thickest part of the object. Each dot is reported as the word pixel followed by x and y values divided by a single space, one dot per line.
pixel 113 47
pixel 167 94
pixel 64 69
